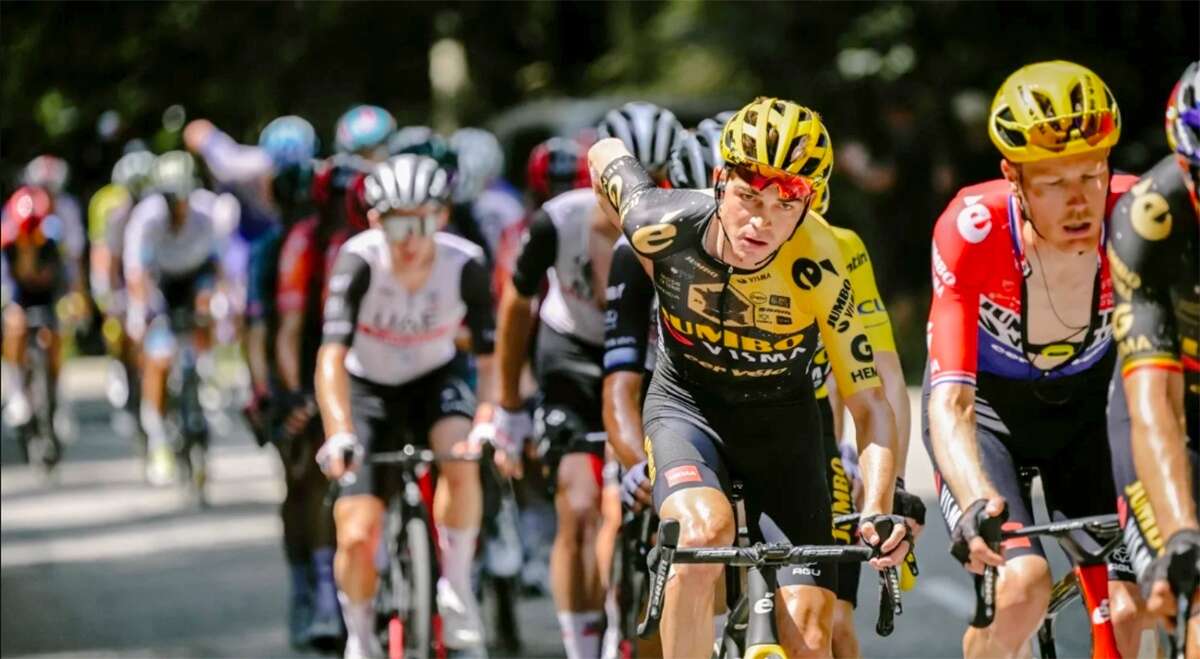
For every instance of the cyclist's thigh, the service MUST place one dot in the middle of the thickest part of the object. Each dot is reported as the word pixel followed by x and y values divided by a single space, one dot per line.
pixel 446 406
pixel 1137 518
pixel 780 455
pixel 681 455
pixel 1078 481
pixel 378 417
pixel 569 410
pixel 1001 469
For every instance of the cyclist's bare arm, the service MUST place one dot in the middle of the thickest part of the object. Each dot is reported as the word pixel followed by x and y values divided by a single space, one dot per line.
pixel 1160 446
pixel 952 433
pixel 333 389
pixel 896 390
pixel 623 416
pixel 256 355
pixel 514 322
pixel 876 431
pixel 287 350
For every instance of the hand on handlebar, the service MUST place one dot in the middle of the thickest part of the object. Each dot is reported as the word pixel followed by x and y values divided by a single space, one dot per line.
pixel 339 455
pixel 636 491
pixel 910 507
pixel 506 431
pixel 975 540
pixel 1175 576
pixel 889 535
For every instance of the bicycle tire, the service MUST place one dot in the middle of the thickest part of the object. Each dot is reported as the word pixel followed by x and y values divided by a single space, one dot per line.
pixel 40 397
pixel 412 573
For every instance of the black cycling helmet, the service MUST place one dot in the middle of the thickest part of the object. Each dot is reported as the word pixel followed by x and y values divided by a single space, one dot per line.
pixel 405 182
pixel 648 131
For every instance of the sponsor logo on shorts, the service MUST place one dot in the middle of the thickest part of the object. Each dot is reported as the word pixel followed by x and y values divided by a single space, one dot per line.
pixel 682 474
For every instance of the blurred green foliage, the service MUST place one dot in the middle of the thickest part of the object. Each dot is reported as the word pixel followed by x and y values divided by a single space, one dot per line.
pixel 929 68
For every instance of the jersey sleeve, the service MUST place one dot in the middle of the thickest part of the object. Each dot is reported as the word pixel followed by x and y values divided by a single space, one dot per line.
pixel 830 298
pixel 868 301
pixel 232 163
pixel 658 222
pixel 295 270
pixel 476 293
pixel 139 251
pixel 628 301
pixel 1140 259
pixel 952 331
pixel 347 285
pixel 538 252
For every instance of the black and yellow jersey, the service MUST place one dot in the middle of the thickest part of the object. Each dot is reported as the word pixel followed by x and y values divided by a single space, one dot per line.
pixel 741 335
pixel 1154 256
pixel 868 304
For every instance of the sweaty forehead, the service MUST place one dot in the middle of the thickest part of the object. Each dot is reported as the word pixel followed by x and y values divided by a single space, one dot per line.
pixel 1067 167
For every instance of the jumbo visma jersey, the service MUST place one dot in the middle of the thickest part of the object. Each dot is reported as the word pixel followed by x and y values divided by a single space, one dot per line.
pixel 868 303
pixel 741 335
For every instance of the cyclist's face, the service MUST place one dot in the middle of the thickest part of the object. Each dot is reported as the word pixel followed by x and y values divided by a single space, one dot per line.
pixel 1065 196
pixel 757 221
pixel 410 233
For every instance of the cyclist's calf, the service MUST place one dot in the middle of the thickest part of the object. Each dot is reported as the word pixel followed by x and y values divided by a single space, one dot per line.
pixel 357 519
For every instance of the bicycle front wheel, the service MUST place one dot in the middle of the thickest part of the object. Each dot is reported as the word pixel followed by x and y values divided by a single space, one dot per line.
pixel 410 630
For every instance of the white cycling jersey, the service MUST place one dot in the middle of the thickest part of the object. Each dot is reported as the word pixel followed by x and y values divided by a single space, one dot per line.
pixel 397 335
pixel 557 246
pixel 154 248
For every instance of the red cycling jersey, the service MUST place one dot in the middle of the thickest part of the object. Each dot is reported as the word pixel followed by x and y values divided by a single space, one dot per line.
pixel 979 270
pixel 297 260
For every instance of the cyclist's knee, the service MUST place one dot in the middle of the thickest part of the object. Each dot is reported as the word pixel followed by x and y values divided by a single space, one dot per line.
pixel 806 620
pixel 1127 608
pixel 578 493
pixel 357 520
pixel 1023 593
pixel 14 319
pixel 705 520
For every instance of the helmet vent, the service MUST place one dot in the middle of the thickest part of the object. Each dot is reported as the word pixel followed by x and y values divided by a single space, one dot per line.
pixel 1003 119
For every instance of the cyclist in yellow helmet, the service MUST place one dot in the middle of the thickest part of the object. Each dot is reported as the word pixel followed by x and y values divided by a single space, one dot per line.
pixel 1020 349
pixel 746 283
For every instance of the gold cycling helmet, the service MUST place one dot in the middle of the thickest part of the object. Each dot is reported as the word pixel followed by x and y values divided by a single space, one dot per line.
pixel 1053 109
pixel 780 137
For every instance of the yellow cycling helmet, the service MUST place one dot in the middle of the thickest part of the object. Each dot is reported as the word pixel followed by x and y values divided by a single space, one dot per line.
pixel 782 136
pixel 1053 109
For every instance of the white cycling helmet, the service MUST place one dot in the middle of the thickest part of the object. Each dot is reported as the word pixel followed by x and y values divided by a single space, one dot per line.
pixel 648 131
pixel 406 182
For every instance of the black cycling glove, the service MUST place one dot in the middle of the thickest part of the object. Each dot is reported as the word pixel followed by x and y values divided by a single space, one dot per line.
pixel 883 528
pixel 975 522
pixel 908 505
pixel 1179 563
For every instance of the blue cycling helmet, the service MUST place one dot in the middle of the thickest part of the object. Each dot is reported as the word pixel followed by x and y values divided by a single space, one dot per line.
pixel 363 128
pixel 289 140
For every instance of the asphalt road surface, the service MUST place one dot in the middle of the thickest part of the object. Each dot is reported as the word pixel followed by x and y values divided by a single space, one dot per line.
pixel 96 563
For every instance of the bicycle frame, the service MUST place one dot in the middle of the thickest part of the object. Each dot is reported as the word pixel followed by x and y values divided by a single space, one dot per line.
pixel 1088 578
